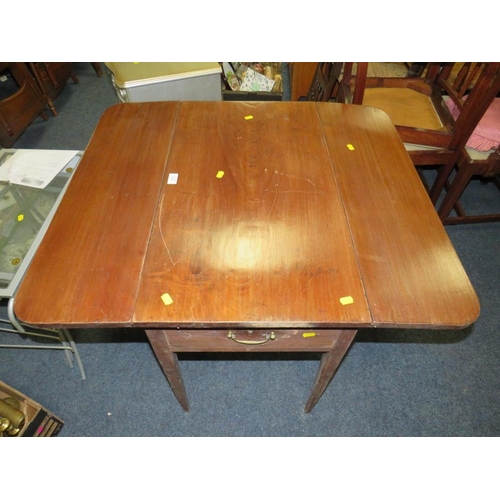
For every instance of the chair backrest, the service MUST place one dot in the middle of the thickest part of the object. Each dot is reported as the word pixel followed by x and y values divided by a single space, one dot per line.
pixel 352 85
pixel 324 81
pixel 355 80
pixel 479 82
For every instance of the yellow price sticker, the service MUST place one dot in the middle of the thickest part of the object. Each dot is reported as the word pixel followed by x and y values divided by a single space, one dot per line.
pixel 350 147
pixel 220 174
pixel 308 334
pixel 167 300
pixel 346 300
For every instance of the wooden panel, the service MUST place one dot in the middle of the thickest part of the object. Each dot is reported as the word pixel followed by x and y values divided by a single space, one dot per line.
pixel 301 76
pixel 265 245
pixel 218 341
pixel 410 270
pixel 87 268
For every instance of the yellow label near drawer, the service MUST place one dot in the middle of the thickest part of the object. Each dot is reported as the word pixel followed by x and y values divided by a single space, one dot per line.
pixel 308 334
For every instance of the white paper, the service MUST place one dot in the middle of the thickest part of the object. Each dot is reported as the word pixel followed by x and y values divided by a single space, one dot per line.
pixel 256 82
pixel 172 178
pixel 34 167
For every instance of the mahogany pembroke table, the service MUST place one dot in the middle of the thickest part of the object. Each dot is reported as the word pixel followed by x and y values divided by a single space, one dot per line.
pixel 255 227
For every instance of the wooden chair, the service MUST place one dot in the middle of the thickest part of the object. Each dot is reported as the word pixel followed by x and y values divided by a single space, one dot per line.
pixel 97 69
pixel 417 107
pixel 324 80
pixel 327 76
pixel 51 78
pixel 20 108
pixel 479 159
pixel 471 164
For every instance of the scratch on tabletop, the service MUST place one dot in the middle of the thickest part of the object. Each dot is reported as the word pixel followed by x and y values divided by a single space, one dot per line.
pixel 161 231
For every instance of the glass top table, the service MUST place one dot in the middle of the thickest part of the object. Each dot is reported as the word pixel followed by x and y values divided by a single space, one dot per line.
pixel 25 215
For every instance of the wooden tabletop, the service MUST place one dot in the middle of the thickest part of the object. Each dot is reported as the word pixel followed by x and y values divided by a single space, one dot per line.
pixel 233 214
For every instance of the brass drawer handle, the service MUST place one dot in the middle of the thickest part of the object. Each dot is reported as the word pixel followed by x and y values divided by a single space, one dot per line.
pixel 269 336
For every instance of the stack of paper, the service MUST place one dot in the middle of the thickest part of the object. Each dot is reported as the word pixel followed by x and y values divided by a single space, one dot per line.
pixel 34 167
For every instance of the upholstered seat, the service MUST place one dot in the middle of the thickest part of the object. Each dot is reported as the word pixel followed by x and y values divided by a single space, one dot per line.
pixel 480 158
pixel 401 104
pixel 486 135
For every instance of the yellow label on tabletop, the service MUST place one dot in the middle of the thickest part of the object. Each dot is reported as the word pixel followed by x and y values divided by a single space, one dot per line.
pixel 167 300
pixel 346 300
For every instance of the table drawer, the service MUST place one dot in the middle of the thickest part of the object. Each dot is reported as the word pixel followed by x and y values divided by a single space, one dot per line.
pixel 251 340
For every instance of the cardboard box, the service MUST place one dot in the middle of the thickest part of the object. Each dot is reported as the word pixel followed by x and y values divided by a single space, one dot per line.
pixel 240 95
pixel 252 82
pixel 38 421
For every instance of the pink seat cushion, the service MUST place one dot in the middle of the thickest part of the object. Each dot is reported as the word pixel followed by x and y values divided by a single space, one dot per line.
pixel 486 135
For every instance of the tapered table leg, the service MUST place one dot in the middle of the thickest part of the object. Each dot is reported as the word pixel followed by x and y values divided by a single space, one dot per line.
pixel 166 343
pixel 169 363
pixel 330 361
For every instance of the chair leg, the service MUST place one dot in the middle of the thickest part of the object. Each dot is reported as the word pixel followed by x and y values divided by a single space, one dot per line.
pixel 50 104
pixel 442 177
pixel 97 68
pixel 456 189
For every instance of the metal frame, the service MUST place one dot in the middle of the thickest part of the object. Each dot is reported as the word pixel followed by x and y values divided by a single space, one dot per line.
pixel 62 336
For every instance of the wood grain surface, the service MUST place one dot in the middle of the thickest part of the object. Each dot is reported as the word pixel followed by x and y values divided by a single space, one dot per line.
pixel 267 244
pixel 87 268
pixel 411 272
pixel 273 219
